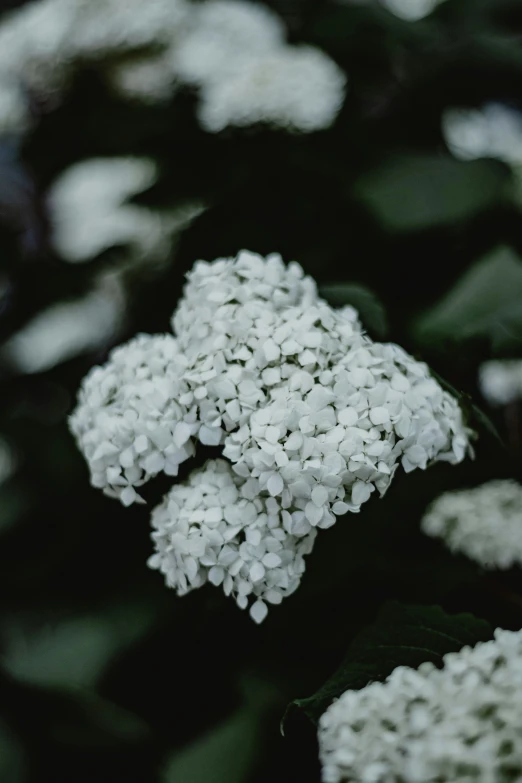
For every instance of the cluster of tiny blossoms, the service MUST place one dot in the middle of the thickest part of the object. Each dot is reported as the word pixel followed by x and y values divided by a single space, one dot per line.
pixel 215 528
pixel 484 523
pixel 233 52
pixel 312 415
pixel 459 724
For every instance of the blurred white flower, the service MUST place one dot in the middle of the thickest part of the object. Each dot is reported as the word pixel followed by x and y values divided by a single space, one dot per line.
pixel 68 329
pixel 410 10
pixel 493 131
pixel 89 211
pixel 484 523
pixel 148 49
pixel 500 381
pixel 312 414
pixel 297 87
pixel 223 34
pixel 457 724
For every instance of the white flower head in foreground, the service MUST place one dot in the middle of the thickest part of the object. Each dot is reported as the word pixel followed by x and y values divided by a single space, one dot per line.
pixel 493 131
pixel 89 211
pixel 313 416
pixel 233 51
pixel 214 528
pixel 458 724
pixel 484 523
pixel 501 381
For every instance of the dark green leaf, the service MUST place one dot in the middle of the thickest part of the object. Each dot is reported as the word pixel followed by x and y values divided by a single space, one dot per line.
pixel 225 755
pixel 84 720
pixel 486 301
pixel 402 635
pixel 415 192
pixel 13 767
pixel 368 305
pixel 74 652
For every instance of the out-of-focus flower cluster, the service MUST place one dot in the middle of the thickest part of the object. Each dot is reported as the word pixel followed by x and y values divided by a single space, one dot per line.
pixel 233 52
pixel 459 724
pixel 312 415
pixel 500 381
pixel 484 523
pixel 410 10
pixel 89 211
pixel 492 131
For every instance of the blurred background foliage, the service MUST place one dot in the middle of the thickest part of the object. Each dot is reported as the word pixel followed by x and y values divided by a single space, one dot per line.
pixel 106 673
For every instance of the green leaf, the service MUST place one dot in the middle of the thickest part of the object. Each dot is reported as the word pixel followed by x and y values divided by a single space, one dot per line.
pixel 227 754
pixel 402 635
pixel 416 192
pixel 87 721
pixel 486 301
pixel 74 652
pixel 13 767
pixel 368 305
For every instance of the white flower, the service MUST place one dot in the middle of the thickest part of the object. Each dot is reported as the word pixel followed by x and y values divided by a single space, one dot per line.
pixel 233 51
pixel 130 422
pixel 493 131
pixel 483 523
pixel 459 724
pixel 221 35
pixel 501 381
pixel 90 213
pixel 297 87
pixel 411 10
pixel 217 528
pixel 68 329
pixel 313 415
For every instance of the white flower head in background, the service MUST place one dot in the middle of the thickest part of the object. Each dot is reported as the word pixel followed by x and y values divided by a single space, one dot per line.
pixel 500 381
pixel 457 724
pixel 484 523
pixel 409 10
pixel 90 212
pixel 493 131
pixel 232 51
pixel 312 415
pixel 68 329
pixel 297 87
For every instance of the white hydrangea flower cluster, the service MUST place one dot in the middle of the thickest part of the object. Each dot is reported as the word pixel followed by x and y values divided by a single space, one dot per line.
pixel 214 528
pixel 234 52
pixel 89 211
pixel 492 131
pixel 312 415
pixel 484 523
pixel 500 381
pixel 458 724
